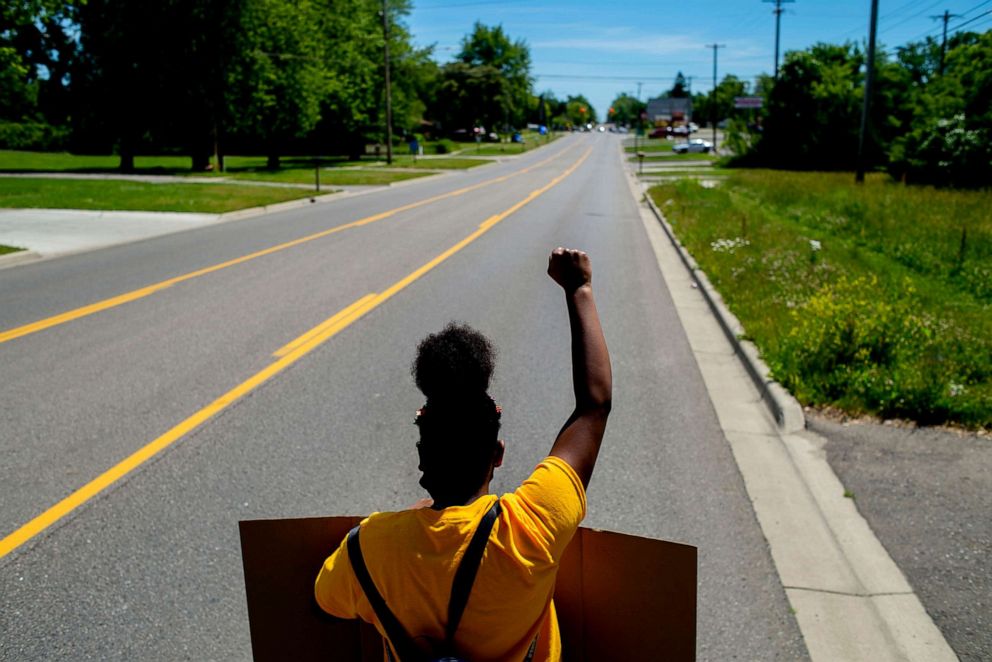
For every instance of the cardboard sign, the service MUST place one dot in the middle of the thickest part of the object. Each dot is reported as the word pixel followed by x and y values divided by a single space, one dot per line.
pixel 618 596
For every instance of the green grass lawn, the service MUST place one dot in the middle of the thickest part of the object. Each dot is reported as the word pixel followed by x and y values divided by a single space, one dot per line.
pixel 436 163
pixel 124 195
pixel 669 157
pixel 16 161
pixel 649 147
pixel 331 176
pixel 9 249
pixel 873 299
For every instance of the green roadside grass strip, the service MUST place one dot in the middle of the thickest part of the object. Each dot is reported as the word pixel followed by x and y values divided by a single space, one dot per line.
pixel 331 176
pixel 874 299
pixel 663 147
pixel 442 163
pixel 9 249
pixel 664 158
pixel 113 195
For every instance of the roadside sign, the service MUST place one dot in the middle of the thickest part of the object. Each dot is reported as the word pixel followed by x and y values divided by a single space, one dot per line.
pixel 748 102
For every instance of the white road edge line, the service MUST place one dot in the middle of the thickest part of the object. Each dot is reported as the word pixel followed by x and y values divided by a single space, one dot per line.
pixel 850 599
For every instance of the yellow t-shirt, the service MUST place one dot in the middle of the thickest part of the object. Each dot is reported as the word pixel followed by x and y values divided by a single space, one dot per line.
pixel 412 556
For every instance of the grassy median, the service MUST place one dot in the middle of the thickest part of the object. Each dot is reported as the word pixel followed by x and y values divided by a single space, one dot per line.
pixel 874 299
pixel 135 196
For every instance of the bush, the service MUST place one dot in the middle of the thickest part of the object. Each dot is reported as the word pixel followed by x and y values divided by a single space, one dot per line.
pixel 33 136
pixel 444 146
pixel 863 349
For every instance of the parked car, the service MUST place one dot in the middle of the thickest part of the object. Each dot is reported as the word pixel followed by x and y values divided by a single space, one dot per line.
pixel 695 146
pixel 660 132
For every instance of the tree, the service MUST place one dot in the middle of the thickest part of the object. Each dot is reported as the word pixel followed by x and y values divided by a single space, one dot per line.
pixel 949 137
pixel 36 55
pixel 579 111
pixel 719 104
pixel 814 109
pixel 282 79
pixel 626 110
pixel 492 47
pixel 680 89
pixel 469 96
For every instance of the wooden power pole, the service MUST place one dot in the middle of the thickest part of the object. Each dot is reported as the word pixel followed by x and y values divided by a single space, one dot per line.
pixel 859 176
pixel 389 91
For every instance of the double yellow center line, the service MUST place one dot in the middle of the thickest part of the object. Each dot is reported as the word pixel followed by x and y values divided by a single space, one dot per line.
pixel 148 290
pixel 285 357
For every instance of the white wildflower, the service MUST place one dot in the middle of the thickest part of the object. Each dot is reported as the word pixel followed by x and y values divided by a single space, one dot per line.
pixel 815 245
pixel 729 245
pixel 955 389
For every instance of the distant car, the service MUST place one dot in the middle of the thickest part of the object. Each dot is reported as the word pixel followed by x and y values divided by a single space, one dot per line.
pixel 679 130
pixel 602 128
pixel 517 138
pixel 695 146
pixel 693 127
pixel 660 132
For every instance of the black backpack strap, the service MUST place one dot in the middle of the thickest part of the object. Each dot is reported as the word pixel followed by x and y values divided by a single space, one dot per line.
pixel 461 587
pixel 395 632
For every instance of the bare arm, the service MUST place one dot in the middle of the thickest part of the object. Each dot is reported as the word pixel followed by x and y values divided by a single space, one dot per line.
pixel 579 439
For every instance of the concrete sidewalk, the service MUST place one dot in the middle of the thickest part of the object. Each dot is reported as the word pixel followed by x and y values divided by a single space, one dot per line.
pixel 51 232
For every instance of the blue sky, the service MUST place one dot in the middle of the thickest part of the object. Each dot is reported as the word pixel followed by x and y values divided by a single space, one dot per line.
pixel 601 49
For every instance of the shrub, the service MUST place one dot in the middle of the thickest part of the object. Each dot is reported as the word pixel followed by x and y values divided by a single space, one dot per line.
pixel 444 146
pixel 856 345
pixel 33 136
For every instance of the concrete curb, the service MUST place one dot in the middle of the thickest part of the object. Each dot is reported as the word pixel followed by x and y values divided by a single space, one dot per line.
pixel 786 410
pixel 11 259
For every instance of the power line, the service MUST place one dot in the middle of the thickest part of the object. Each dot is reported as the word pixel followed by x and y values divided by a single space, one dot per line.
pixel 632 79
pixel 910 18
pixel 971 20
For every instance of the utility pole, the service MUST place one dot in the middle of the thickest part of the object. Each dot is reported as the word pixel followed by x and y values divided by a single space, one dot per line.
pixel 778 26
pixel 946 16
pixel 713 100
pixel 389 91
pixel 859 176
pixel 637 129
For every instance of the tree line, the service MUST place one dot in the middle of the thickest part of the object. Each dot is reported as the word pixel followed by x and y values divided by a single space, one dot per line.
pixel 930 120
pixel 276 77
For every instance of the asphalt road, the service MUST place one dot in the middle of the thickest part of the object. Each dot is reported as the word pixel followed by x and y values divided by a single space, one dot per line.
pixel 150 568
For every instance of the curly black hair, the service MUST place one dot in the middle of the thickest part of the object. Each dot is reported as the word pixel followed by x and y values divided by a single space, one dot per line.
pixel 455 360
pixel 459 425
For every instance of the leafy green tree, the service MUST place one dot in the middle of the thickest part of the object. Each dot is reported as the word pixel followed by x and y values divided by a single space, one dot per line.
pixel 468 96
pixel 579 111
pixel 948 137
pixel 626 110
pixel 491 47
pixel 814 109
pixel 282 80
pixel 36 54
